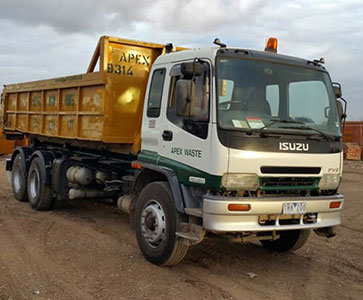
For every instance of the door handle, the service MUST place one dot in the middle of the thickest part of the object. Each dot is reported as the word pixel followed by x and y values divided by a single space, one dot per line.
pixel 167 135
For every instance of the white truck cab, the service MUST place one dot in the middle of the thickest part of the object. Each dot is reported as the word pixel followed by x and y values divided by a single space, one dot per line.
pixel 254 140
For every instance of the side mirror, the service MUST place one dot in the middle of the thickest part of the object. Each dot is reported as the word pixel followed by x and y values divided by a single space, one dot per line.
pixel 342 111
pixel 184 97
pixel 191 69
pixel 337 90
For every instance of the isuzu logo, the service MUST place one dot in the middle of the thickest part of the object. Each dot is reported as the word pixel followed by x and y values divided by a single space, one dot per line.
pixel 286 146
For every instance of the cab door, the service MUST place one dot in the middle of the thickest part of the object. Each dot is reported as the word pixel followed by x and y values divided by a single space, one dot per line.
pixel 152 121
pixel 186 133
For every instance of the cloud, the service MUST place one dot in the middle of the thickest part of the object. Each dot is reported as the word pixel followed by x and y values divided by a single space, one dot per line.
pixel 48 38
pixel 201 16
pixel 66 16
pixel 90 16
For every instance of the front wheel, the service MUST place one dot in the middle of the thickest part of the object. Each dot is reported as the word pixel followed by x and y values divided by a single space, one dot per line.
pixel 289 240
pixel 156 224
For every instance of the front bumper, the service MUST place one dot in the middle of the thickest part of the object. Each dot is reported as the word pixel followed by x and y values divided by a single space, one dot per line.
pixel 217 217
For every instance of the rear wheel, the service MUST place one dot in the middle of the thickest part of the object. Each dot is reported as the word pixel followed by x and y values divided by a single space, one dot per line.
pixel 289 240
pixel 18 179
pixel 156 224
pixel 39 195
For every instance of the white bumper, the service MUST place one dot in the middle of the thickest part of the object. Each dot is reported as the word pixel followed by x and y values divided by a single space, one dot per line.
pixel 217 217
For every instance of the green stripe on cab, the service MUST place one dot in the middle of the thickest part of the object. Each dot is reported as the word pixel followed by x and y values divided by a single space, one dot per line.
pixel 186 174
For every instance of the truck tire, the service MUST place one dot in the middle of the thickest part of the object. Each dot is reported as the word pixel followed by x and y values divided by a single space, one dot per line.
pixel 157 221
pixel 18 179
pixel 289 240
pixel 39 195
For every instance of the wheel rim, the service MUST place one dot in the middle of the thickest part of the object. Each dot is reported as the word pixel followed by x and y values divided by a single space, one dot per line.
pixel 153 224
pixel 34 181
pixel 17 179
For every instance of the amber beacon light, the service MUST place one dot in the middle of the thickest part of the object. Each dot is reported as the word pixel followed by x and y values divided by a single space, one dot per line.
pixel 271 45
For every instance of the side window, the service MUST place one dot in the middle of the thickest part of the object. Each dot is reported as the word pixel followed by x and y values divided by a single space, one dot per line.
pixel 273 98
pixel 193 115
pixel 156 93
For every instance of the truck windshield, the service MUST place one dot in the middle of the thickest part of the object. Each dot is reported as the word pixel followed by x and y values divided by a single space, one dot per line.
pixel 254 94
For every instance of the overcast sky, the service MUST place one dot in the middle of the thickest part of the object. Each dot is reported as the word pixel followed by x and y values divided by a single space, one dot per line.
pixel 48 38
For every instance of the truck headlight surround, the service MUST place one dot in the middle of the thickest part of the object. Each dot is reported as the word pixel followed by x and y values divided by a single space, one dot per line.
pixel 329 182
pixel 240 181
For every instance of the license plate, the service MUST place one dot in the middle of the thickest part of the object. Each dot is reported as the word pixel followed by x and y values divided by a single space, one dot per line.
pixel 294 208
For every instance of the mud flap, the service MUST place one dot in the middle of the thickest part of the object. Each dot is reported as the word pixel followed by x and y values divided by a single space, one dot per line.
pixel 327 232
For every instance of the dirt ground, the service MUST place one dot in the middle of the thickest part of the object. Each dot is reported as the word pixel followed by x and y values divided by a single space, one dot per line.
pixel 88 251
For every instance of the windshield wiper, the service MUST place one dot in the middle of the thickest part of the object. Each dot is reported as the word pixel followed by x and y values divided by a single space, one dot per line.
pixel 303 127
pixel 274 121
pixel 322 133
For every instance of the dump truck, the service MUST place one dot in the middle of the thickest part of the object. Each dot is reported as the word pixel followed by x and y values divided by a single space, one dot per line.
pixel 192 143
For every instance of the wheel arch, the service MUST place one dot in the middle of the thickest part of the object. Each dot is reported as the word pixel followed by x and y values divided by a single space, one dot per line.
pixel 25 152
pixel 47 159
pixel 150 173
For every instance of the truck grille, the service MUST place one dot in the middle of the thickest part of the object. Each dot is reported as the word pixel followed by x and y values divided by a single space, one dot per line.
pixel 289 183
pixel 290 170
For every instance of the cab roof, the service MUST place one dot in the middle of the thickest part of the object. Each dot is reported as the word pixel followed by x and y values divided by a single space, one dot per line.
pixel 210 53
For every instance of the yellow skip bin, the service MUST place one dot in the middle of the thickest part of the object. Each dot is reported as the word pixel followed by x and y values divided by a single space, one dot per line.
pixel 100 106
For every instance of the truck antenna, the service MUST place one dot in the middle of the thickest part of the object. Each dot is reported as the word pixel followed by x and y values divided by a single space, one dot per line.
pixel 320 61
pixel 218 42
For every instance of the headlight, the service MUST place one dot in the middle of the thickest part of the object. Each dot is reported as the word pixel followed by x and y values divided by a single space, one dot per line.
pixel 236 181
pixel 329 182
